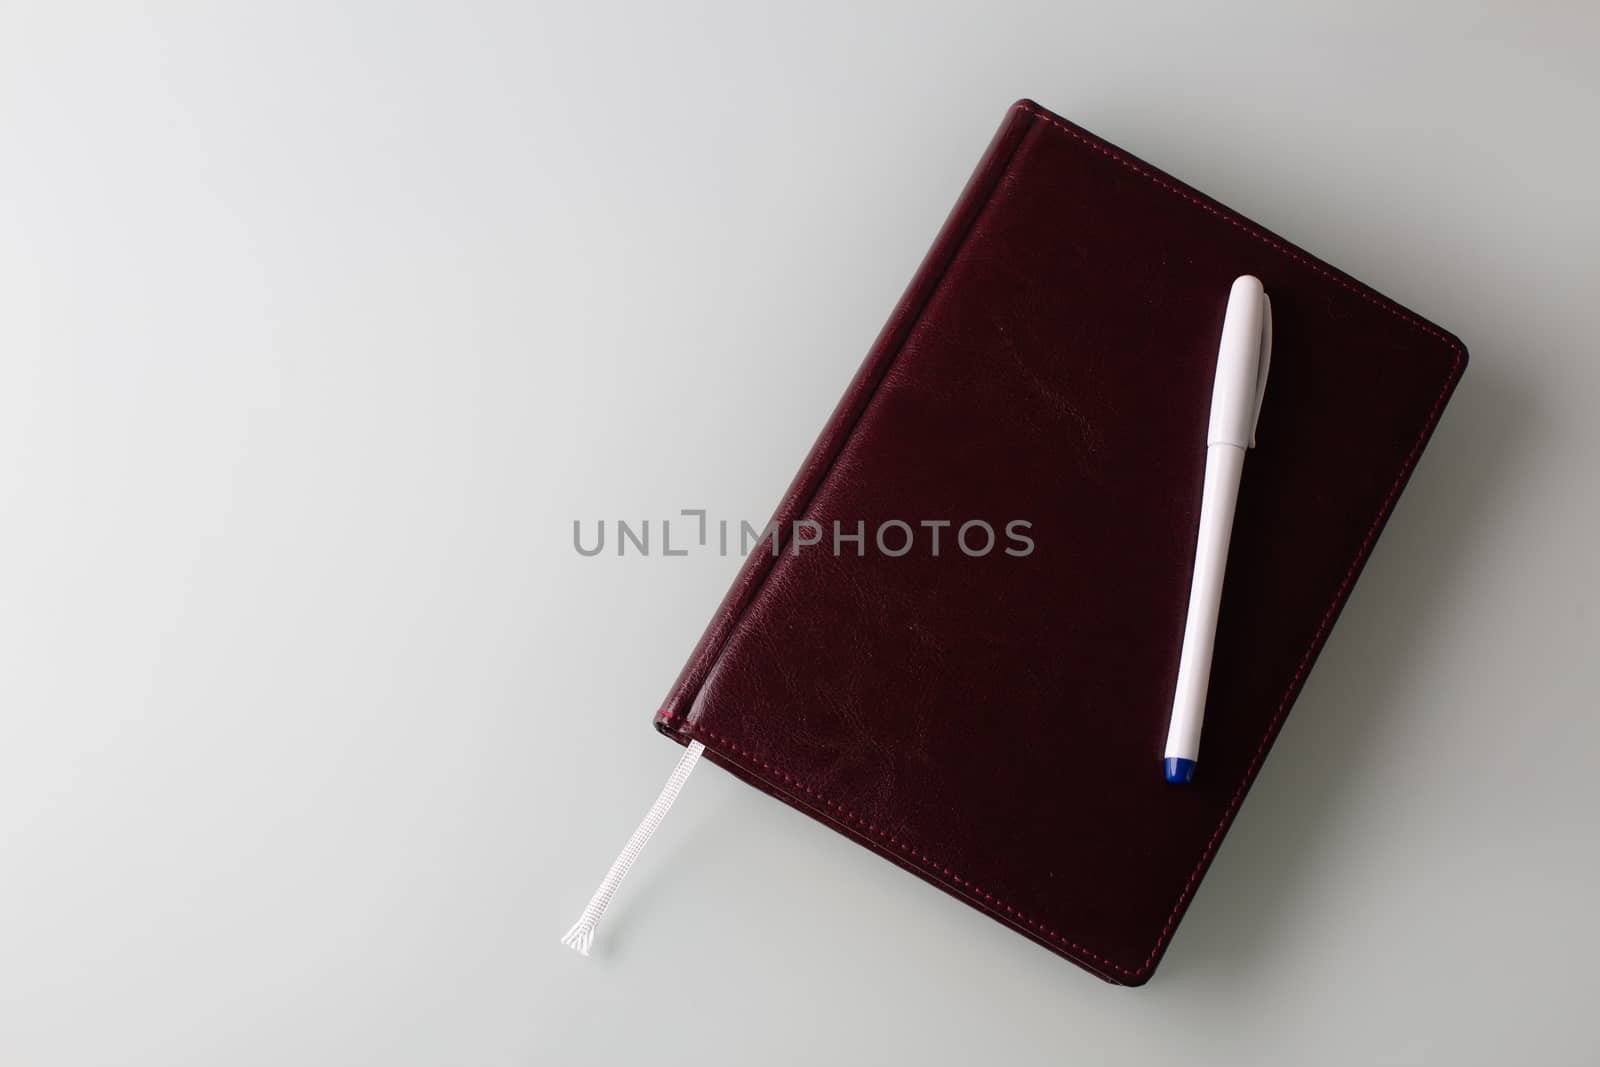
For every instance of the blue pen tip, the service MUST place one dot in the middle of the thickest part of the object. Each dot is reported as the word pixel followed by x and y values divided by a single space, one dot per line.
pixel 1180 771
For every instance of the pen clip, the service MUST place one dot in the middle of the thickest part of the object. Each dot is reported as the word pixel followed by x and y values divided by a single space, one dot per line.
pixel 1263 363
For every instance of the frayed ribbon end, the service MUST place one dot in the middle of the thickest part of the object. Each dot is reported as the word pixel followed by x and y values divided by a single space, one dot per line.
pixel 579 938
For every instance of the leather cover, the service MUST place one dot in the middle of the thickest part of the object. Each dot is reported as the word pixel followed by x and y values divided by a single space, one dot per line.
pixel 995 725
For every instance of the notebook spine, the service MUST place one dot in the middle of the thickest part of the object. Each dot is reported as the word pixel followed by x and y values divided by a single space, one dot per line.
pixel 675 716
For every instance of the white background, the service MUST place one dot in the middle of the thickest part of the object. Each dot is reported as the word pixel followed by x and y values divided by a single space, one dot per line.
pixel 320 323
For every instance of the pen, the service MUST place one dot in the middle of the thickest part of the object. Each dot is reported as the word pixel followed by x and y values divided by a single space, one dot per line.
pixel 1243 358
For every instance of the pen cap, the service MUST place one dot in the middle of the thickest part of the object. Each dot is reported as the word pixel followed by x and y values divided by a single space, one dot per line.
pixel 1242 361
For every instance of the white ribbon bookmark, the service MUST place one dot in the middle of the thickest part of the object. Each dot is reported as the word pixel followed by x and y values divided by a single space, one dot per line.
pixel 581 936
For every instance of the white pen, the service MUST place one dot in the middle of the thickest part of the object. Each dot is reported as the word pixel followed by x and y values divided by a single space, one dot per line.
pixel 1242 361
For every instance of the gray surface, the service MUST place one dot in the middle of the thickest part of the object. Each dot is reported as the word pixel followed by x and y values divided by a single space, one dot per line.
pixel 317 329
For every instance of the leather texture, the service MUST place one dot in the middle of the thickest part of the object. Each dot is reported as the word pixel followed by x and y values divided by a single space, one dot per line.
pixel 995 725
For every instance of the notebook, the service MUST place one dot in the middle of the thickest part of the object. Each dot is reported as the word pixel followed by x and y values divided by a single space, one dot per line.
pixel 993 722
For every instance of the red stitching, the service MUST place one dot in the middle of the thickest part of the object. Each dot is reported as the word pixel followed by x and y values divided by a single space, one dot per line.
pixel 1364 293
pixel 938 869
pixel 925 860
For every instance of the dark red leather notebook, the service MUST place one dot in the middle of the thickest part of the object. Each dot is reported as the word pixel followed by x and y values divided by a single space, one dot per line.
pixel 994 724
